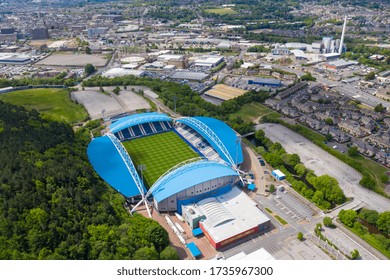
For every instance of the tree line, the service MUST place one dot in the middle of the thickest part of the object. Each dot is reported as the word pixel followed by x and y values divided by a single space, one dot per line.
pixel 323 190
pixel 54 206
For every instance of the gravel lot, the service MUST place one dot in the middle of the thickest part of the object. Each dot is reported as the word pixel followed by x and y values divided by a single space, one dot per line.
pixel 95 102
pixel 76 60
pixel 323 163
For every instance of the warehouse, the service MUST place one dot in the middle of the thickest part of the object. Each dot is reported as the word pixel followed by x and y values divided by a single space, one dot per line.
pixel 224 92
pixel 339 64
pixel 189 75
pixel 265 82
pixel 226 218
pixel 209 61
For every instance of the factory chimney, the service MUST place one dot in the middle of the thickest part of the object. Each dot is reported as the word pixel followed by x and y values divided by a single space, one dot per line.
pixel 342 36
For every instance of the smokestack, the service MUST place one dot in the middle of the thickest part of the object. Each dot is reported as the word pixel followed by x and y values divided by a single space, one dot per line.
pixel 342 36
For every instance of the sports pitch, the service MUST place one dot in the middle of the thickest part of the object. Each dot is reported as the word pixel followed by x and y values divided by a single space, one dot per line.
pixel 158 153
pixel 52 103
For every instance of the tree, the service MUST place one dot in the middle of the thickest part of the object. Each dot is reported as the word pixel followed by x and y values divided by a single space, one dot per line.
pixel 355 254
pixel 146 253
pixel 328 137
pixel 259 135
pixel 308 77
pixel 384 178
pixel 347 217
pixel 370 216
pixel 380 108
pixel 329 121
pixel 300 169
pixel 158 236
pixel 353 151
pixel 272 188
pixel 367 181
pixel 117 90
pixel 370 76
pixel 328 222
pixel 291 159
pixel 88 50
pixel 383 222
pixel 169 253
pixel 300 236
pixel 89 69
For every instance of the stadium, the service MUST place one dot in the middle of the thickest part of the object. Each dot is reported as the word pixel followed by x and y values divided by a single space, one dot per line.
pixel 187 165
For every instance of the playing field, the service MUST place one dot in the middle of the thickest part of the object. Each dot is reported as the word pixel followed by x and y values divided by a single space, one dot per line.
pixel 158 153
pixel 253 111
pixel 221 11
pixel 52 103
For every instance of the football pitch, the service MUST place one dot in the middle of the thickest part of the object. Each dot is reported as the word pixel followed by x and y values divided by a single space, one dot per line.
pixel 158 153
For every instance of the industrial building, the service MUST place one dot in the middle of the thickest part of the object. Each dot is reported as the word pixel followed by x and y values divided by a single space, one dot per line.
pixel 209 61
pixel 120 72
pixel 224 92
pixel 38 33
pixel 340 64
pixel 226 218
pixel 265 82
pixel 189 75
pixel 281 51
pixel 95 32
pixel 14 58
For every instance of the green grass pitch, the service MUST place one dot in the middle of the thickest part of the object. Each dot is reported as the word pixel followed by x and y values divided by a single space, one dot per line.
pixel 52 103
pixel 158 153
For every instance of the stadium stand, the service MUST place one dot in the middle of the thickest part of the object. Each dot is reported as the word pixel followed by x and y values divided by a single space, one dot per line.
pixel 197 141
pixel 147 128
pixel 137 131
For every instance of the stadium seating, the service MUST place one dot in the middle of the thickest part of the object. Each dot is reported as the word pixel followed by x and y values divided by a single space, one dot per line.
pixel 143 130
pixel 198 142
pixel 158 126
pixel 126 134
pixel 131 132
pixel 137 131
pixel 146 127
pixel 153 127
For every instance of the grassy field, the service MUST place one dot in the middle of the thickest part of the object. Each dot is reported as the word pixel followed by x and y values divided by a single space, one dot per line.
pixel 253 111
pixel 52 103
pixel 221 11
pixel 158 153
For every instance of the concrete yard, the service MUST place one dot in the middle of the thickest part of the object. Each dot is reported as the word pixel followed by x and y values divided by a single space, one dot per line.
pixel 323 163
pixel 95 102
pixel 75 60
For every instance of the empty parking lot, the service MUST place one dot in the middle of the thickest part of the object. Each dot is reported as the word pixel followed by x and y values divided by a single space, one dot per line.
pixel 323 163
pixel 95 102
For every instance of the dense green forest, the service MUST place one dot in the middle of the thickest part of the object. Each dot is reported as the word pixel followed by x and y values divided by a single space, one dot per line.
pixel 54 206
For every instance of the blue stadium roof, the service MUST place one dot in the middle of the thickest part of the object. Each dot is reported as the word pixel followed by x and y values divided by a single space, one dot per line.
pixel 225 133
pixel 188 176
pixel 108 163
pixel 132 120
